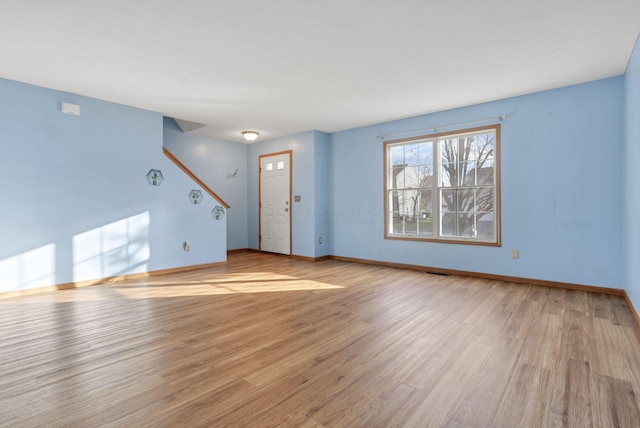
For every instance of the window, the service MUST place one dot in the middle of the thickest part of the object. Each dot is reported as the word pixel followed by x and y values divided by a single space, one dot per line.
pixel 444 187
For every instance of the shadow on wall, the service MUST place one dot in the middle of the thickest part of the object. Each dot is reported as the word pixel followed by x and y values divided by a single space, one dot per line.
pixel 113 249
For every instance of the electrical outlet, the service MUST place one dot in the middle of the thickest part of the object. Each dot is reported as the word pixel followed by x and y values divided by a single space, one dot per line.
pixel 185 246
pixel 515 254
pixel 320 240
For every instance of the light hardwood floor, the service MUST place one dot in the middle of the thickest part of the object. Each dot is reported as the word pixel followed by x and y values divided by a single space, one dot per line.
pixel 270 341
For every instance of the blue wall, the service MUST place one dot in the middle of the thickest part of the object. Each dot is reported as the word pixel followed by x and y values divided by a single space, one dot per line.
pixel 561 189
pixel 322 200
pixel 632 178
pixel 74 200
pixel 210 160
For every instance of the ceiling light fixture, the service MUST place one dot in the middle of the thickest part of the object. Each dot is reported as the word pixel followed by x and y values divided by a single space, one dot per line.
pixel 250 135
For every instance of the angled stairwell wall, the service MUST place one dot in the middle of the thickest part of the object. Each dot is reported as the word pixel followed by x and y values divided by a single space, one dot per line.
pixel 214 163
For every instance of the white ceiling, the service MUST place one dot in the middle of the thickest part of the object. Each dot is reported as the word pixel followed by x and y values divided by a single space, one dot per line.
pixel 286 66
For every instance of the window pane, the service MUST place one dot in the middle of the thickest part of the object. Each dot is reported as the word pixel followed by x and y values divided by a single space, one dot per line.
pixel 466 225
pixel 449 175
pixel 397 178
pixel 397 155
pixel 485 174
pixel 404 223
pixel 425 151
pixel 485 228
pixel 406 202
pixel 465 146
pixel 467 173
pixel 485 200
pixel 411 154
pixel 411 225
pixel 393 201
pixel 426 201
pixel 486 162
pixel 410 212
pixel 466 200
pixel 425 224
pixel 411 177
pixel 395 219
pixel 449 151
pixel 449 200
pixel 485 146
pixel 425 173
pixel 462 209
pixel 471 148
pixel 448 224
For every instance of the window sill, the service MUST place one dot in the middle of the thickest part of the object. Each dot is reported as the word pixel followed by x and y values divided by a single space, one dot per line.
pixel 462 241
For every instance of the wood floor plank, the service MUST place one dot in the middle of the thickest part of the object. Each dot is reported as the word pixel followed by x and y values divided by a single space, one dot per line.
pixel 615 403
pixel 610 359
pixel 266 340
pixel 543 342
pixel 439 397
pixel 577 403
pixel 556 301
pixel 521 401
pixel 483 394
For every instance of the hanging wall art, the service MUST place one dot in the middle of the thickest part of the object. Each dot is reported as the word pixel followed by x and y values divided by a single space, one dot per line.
pixel 155 177
pixel 218 212
pixel 195 196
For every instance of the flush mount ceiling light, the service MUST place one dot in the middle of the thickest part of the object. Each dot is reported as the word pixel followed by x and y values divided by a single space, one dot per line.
pixel 250 135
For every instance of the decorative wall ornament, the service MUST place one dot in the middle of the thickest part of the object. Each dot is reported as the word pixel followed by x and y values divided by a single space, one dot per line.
pixel 231 174
pixel 218 212
pixel 155 177
pixel 195 196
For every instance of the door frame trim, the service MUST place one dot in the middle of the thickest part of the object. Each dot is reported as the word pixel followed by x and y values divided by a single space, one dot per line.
pixel 285 152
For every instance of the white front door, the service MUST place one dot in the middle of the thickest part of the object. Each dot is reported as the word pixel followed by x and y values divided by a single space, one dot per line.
pixel 275 203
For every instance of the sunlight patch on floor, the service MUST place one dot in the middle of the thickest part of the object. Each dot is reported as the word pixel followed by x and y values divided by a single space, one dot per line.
pixel 259 282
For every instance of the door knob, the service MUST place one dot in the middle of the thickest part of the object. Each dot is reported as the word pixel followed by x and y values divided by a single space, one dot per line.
pixel 287 209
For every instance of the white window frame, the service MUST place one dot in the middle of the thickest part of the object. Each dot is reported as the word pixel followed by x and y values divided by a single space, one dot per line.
pixel 436 188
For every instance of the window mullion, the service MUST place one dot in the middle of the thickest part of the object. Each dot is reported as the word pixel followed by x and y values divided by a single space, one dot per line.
pixel 473 211
pixel 437 173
